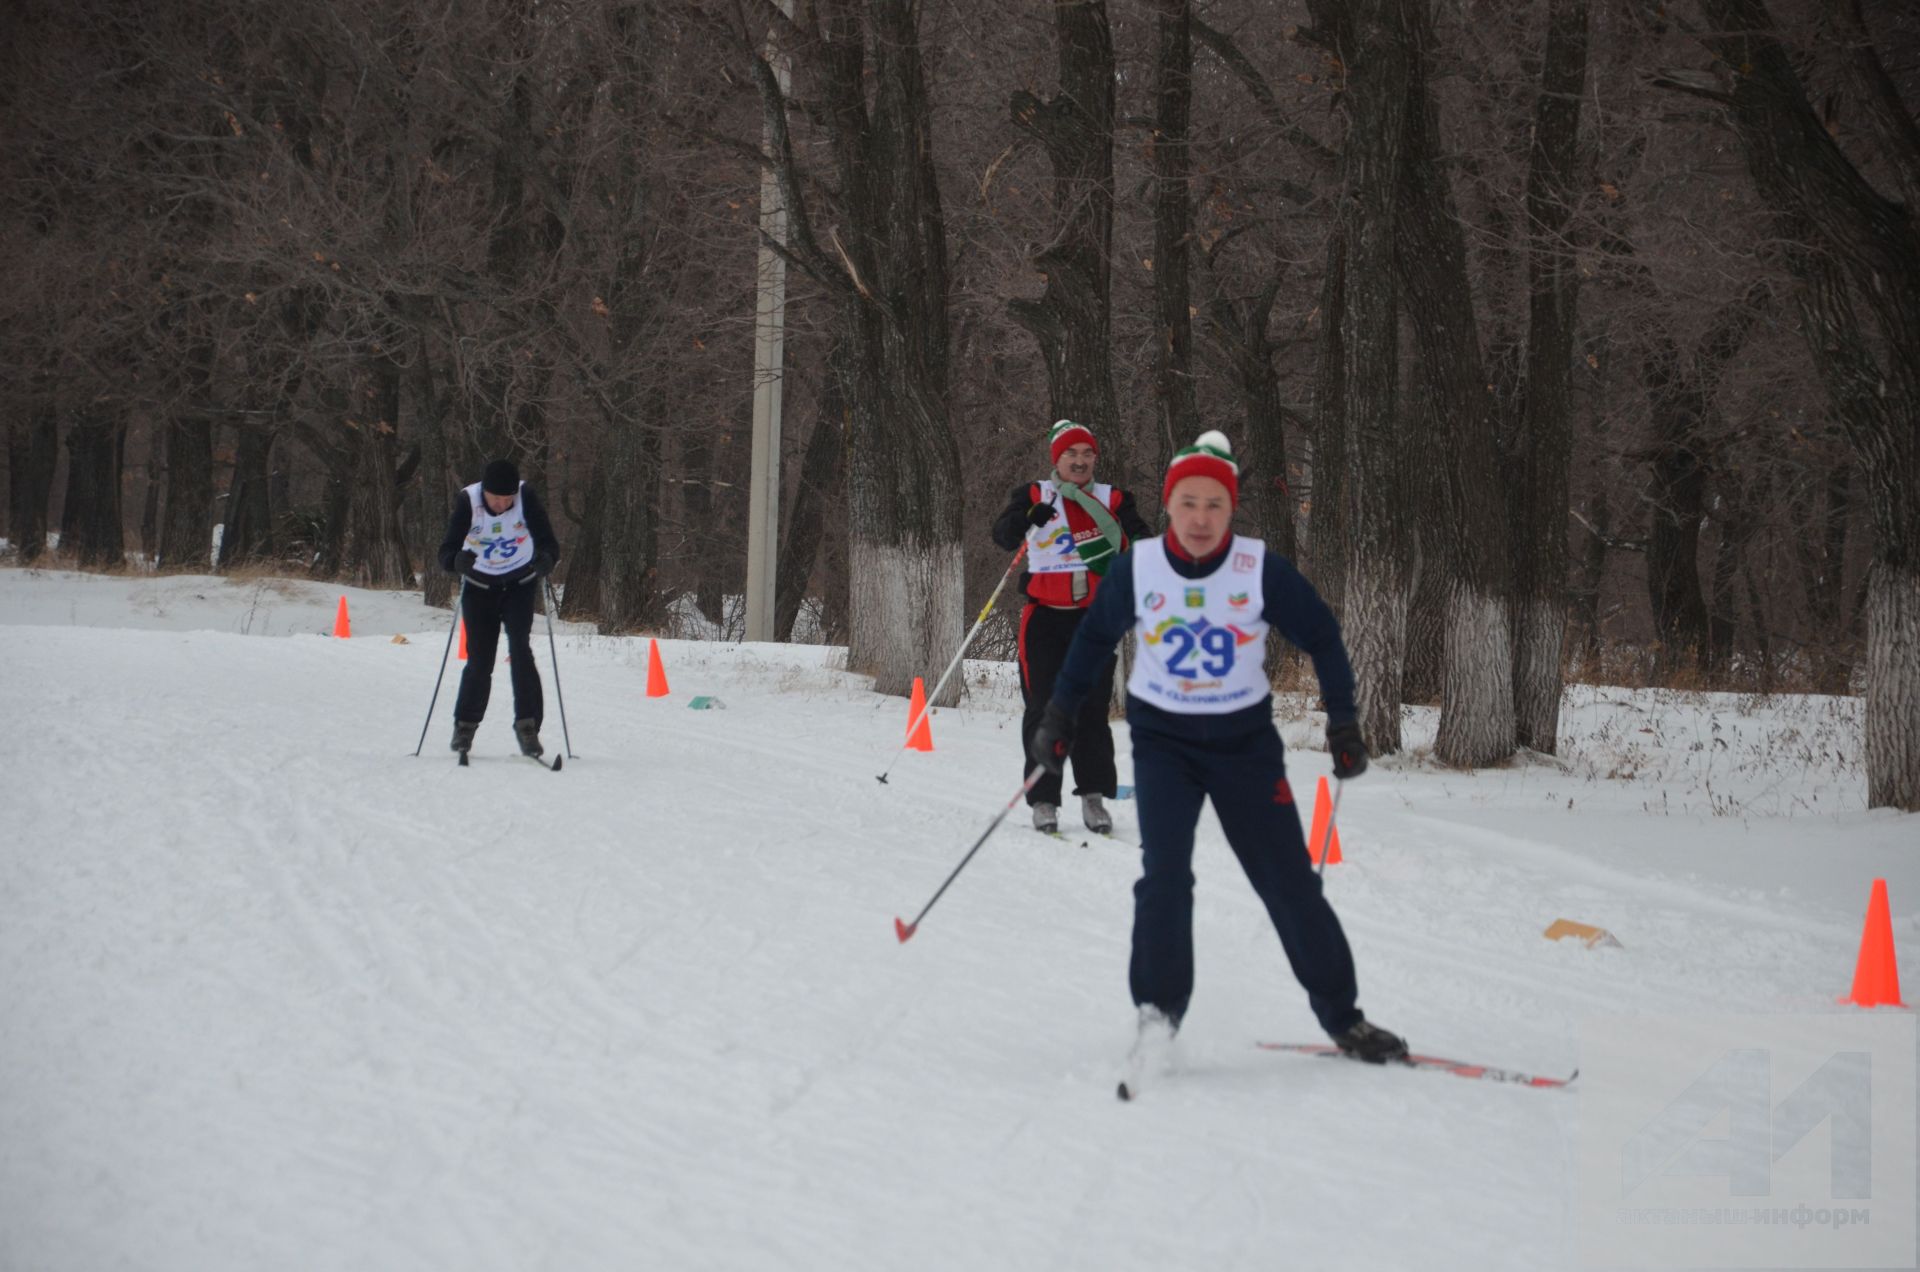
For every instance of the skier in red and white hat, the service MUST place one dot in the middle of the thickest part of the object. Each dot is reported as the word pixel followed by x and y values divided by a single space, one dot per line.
pixel 1074 527
pixel 1200 602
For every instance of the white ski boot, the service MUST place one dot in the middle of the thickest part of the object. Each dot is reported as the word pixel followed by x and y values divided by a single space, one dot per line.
pixel 1152 1053
pixel 1046 818
pixel 1095 815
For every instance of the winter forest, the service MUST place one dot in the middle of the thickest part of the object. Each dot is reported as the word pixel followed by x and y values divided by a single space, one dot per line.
pixel 1559 340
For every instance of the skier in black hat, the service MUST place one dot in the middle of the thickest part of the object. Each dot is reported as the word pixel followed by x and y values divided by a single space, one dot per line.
pixel 500 541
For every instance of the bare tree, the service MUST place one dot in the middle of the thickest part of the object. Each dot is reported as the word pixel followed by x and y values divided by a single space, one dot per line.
pixel 1072 321
pixel 886 265
pixel 1369 41
pixel 1542 441
pixel 1854 254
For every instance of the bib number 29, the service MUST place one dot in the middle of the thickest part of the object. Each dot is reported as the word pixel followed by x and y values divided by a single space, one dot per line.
pixel 1213 647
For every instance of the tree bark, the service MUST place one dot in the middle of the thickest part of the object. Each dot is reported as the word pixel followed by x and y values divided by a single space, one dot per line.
pixel 186 532
pixel 1072 321
pixel 822 471
pixel 248 533
pixel 1459 417
pixel 614 573
pixel 1681 389
pixel 378 548
pixel 1855 255
pixel 1327 528
pixel 90 521
pixel 33 452
pixel 1173 228
pixel 1370 39
pixel 888 272
pixel 1543 443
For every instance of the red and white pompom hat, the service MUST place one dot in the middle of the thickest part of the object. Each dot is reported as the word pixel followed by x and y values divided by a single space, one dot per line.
pixel 1211 455
pixel 1067 433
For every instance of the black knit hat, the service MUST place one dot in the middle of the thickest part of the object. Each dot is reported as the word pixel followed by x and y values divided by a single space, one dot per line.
pixel 501 478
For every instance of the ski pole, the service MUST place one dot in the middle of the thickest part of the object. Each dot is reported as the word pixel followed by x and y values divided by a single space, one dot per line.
pixel 1333 815
pixel 987 609
pixel 554 654
pixel 458 606
pixel 906 930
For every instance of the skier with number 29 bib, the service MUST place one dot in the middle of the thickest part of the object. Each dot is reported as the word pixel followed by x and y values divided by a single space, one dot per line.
pixel 1199 601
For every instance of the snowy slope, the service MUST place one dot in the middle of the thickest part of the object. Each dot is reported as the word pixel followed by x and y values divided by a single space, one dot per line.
pixel 280 995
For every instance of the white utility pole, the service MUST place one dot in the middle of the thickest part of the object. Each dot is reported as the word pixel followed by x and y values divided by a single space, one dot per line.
pixel 769 370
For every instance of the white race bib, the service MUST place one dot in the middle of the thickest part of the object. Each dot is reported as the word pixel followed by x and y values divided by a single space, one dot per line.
pixel 499 541
pixel 1051 548
pixel 1200 644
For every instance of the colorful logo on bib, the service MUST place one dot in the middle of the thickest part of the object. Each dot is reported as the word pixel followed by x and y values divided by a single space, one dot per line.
pixel 1237 599
pixel 1196 597
pixel 1154 601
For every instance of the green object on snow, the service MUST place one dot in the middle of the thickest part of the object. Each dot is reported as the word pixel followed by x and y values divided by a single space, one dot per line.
pixel 706 702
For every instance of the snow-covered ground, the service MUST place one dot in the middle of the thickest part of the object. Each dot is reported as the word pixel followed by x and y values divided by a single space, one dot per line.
pixel 277 994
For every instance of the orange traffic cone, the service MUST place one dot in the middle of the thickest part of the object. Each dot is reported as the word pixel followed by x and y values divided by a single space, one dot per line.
pixel 919 730
pixel 342 625
pixel 463 640
pixel 1876 978
pixel 656 673
pixel 1322 814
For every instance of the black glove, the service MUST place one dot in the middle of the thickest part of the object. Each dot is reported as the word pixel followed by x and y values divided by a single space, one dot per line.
pixel 1348 751
pixel 542 566
pixel 1052 740
pixel 464 563
pixel 1039 515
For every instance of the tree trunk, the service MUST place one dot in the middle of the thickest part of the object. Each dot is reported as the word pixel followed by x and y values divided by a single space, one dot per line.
pixel 1371 39
pixel 822 471
pixel 33 452
pixel 1821 541
pixel 1327 527
pixel 1854 254
pixel 626 510
pixel 186 533
pixel 1676 496
pixel 150 503
pixel 1543 443
pixel 888 271
pixel 248 533
pixel 435 476
pixel 379 542
pixel 90 522
pixel 1073 320
pixel 1893 687
pixel 1476 699
pixel 1173 228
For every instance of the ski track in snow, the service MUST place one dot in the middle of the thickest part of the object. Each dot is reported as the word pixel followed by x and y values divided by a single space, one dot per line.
pixel 280 994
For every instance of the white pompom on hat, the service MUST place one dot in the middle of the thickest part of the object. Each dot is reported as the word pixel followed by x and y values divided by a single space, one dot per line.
pixel 1211 455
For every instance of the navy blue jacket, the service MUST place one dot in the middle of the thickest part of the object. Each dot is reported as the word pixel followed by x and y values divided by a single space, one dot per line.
pixel 1290 607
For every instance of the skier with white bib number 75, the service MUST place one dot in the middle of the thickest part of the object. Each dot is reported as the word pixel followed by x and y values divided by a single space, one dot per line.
pixel 1199 601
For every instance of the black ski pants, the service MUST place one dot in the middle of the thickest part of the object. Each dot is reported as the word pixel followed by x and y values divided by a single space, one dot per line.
pixel 486 611
pixel 1045 635
pixel 1246 778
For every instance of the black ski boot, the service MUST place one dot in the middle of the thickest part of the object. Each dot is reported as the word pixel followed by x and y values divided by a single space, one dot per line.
pixel 463 731
pixel 1368 1041
pixel 528 731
